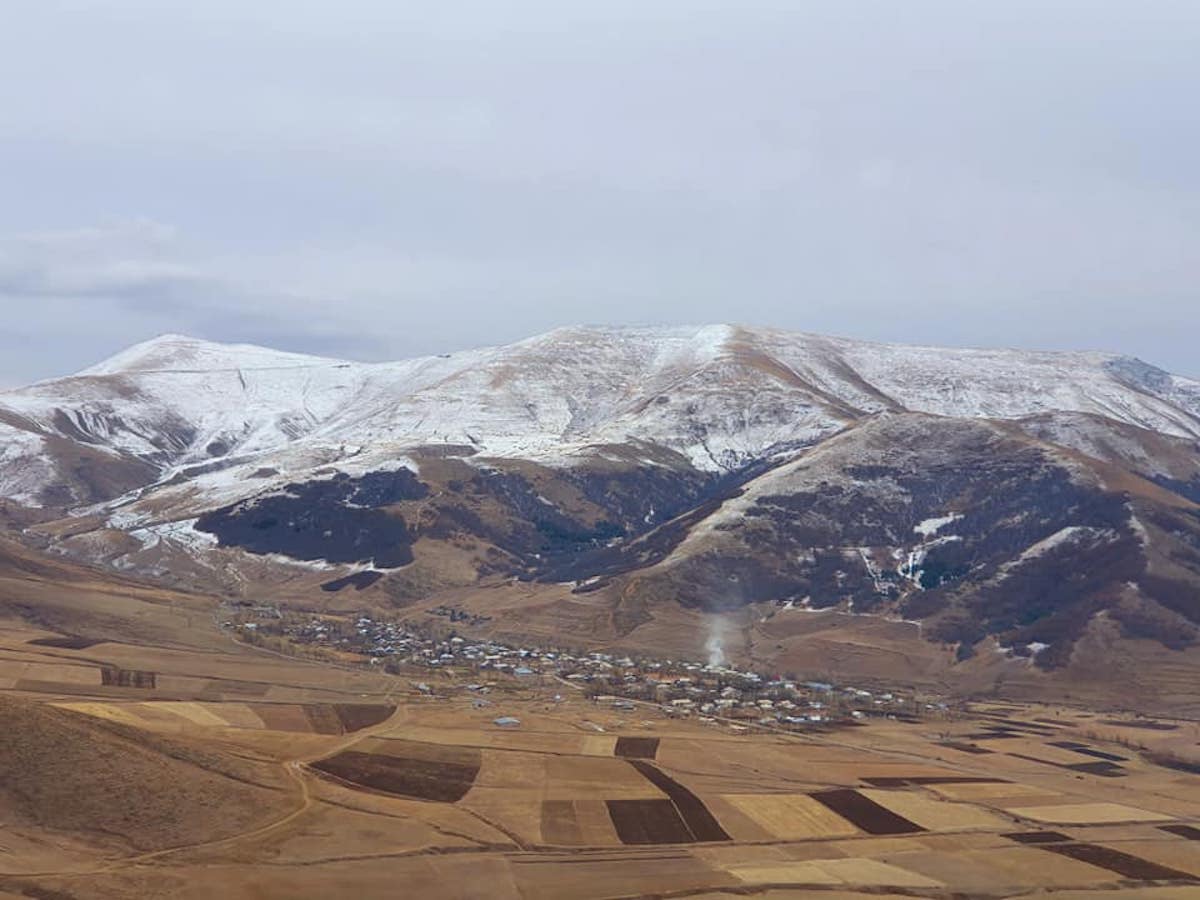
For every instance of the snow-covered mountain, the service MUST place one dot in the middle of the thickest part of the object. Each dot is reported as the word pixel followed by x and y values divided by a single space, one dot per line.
pixel 723 396
pixel 1030 499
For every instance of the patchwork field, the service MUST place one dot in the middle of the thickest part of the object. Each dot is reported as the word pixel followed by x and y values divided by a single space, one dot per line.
pixel 238 774
pixel 313 718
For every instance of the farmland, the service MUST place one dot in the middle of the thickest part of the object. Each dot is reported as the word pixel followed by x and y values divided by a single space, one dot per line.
pixel 202 766
pixel 583 799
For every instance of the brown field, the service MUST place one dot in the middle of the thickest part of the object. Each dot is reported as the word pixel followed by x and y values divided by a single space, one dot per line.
pixel 420 779
pixel 648 822
pixel 1038 837
pixel 699 821
pixel 591 778
pixel 63 673
pixel 322 719
pixel 1124 864
pixel 560 824
pixel 355 716
pixel 636 747
pixel 284 717
pixel 512 771
pixel 66 642
pixel 199 768
pixel 131 678
pixel 1179 855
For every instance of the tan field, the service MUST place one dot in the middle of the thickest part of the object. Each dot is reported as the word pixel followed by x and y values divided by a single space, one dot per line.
pixel 791 816
pixel 1088 814
pixel 934 814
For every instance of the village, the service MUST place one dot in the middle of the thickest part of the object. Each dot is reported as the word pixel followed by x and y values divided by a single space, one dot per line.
pixel 713 691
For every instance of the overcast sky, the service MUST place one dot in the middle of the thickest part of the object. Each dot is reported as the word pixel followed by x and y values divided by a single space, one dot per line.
pixel 386 178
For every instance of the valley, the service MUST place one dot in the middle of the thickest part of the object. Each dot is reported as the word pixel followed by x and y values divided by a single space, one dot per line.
pixel 607 613
pixel 230 769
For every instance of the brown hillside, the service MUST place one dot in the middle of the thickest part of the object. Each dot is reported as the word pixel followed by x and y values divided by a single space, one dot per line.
pixel 68 772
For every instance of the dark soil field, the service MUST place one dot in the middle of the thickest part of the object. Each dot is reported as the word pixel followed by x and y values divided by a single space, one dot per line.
pixel 132 678
pixel 66 642
pixel 1038 837
pixel 1101 768
pixel 699 821
pixel 865 813
pixel 648 822
pixel 359 580
pixel 1123 864
pixel 355 716
pixel 1089 751
pixel 322 719
pixel 1190 832
pixel 636 747
pixel 420 779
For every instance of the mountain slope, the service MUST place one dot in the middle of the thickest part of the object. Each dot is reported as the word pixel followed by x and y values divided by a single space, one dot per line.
pixel 998 497
pixel 967 526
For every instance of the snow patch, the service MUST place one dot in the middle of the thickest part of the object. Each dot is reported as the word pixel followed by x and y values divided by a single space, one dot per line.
pixel 929 527
pixel 181 532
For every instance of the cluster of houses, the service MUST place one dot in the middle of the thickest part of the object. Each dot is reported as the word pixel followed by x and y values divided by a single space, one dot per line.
pixel 389 642
pixel 713 693
pixel 723 694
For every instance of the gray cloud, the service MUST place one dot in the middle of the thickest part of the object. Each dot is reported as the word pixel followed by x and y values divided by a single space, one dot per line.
pixel 376 179
pixel 95 290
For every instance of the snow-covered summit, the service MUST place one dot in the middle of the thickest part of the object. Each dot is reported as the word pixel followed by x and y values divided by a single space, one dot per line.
pixel 720 395
pixel 181 353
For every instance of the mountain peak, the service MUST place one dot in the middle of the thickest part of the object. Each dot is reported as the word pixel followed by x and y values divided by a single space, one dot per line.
pixel 173 352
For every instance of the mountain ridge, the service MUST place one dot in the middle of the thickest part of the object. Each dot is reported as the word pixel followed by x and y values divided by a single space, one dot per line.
pixel 180 338
pixel 572 385
pixel 647 473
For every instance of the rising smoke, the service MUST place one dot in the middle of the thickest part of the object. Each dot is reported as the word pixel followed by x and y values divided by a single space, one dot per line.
pixel 715 643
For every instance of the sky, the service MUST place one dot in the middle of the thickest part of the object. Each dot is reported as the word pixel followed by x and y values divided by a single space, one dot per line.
pixel 377 180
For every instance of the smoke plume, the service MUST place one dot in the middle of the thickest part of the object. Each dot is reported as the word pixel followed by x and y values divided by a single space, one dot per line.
pixel 715 643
